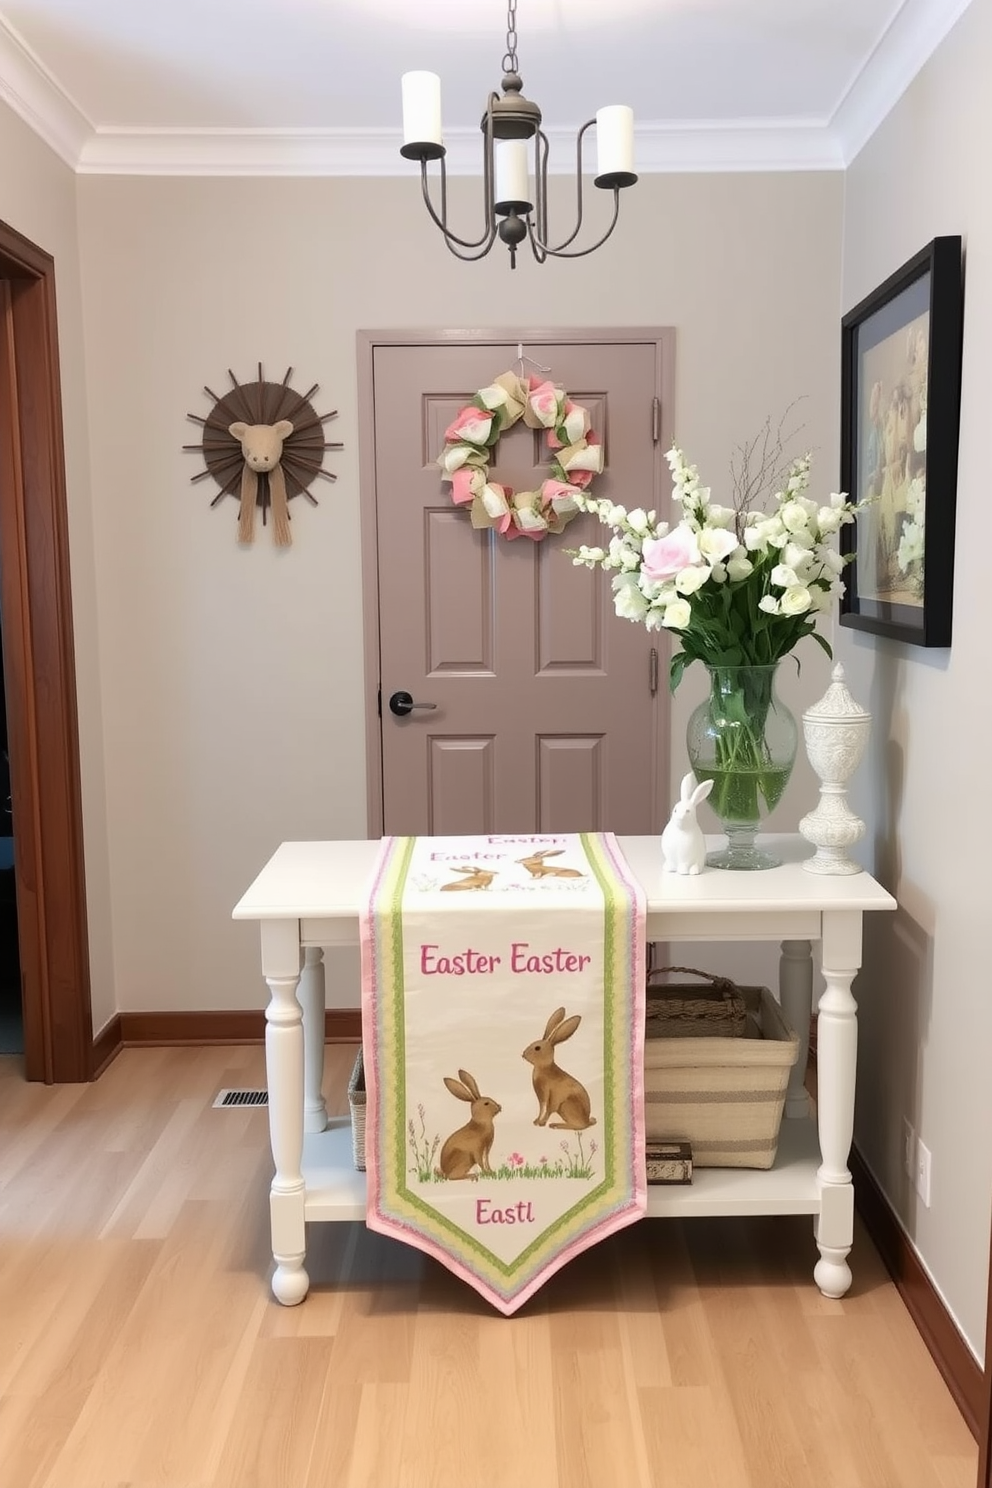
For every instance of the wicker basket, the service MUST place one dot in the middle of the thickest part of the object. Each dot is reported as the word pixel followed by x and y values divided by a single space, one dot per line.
pixel 680 1010
pixel 724 1096
pixel 356 1101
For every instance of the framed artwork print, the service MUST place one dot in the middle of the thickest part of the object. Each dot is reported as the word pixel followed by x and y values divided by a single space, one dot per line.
pixel 900 406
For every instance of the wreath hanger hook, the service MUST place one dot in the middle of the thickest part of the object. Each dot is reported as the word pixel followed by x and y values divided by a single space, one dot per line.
pixel 521 358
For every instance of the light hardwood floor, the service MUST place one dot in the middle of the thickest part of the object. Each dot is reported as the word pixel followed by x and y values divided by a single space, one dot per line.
pixel 139 1344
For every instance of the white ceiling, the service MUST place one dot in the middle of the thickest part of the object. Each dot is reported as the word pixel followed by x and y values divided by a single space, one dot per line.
pixel 312 86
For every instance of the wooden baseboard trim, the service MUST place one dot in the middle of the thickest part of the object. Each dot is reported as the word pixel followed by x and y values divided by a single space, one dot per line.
pixel 957 1364
pixel 237 1026
pixel 106 1046
pixel 343 1025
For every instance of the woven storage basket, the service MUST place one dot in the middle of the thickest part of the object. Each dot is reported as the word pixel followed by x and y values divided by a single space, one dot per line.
pixel 724 1096
pixel 356 1100
pixel 681 1010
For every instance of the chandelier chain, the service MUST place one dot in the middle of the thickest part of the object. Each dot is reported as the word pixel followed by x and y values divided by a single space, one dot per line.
pixel 510 56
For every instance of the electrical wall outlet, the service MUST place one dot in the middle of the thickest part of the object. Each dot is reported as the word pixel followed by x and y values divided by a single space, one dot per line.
pixel 909 1149
pixel 923 1173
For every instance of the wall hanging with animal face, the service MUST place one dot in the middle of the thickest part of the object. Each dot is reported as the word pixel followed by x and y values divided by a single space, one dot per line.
pixel 263 443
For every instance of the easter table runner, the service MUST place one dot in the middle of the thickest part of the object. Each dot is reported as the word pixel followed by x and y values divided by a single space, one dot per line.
pixel 503 1018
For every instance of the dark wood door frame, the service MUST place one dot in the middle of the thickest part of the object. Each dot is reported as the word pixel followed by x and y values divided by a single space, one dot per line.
pixel 39 671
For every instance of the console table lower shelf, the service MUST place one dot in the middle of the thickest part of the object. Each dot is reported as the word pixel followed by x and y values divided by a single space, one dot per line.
pixel 335 1189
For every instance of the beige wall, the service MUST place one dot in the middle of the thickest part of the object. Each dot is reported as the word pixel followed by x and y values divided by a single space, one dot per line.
pixel 926 1026
pixel 233 681
pixel 39 200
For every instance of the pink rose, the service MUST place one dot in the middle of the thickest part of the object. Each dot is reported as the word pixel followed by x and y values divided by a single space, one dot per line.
pixel 527 522
pixel 497 503
pixel 545 404
pixel 559 495
pixel 580 478
pixel 573 424
pixel 472 426
pixel 454 456
pixel 664 557
pixel 575 421
pixel 587 454
pixel 466 484
pixel 496 499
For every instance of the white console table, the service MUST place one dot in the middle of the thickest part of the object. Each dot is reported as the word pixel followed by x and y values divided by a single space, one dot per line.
pixel 310 895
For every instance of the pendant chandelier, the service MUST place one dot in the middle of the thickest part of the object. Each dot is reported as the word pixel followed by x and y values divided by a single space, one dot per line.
pixel 510 121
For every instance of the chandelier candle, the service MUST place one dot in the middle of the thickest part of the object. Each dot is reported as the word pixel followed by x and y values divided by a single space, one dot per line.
pixel 614 142
pixel 421 111
pixel 512 188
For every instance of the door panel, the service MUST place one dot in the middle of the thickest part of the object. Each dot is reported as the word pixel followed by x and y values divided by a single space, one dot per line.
pixel 570 782
pixel 569 613
pixel 543 717
pixel 458 617
pixel 461 783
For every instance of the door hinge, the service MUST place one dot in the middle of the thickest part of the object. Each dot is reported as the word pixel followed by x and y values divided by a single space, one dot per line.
pixel 653 671
pixel 378 702
pixel 655 419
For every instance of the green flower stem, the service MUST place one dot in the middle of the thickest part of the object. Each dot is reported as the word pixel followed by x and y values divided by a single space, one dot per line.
pixel 741 766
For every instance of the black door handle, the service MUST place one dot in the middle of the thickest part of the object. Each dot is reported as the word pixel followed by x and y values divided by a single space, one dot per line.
pixel 401 703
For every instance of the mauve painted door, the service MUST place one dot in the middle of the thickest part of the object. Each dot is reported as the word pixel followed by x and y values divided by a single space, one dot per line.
pixel 546 719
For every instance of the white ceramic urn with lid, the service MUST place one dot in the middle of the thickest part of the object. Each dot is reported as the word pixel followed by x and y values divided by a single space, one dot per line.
pixel 836 733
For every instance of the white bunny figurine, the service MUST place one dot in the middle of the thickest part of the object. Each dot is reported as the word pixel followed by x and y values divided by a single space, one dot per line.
pixel 683 846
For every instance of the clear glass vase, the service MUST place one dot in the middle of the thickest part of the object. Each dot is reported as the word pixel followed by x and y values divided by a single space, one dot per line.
pixel 744 739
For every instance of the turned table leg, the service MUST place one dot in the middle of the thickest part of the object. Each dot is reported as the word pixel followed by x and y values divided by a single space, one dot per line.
pixel 313 1003
pixel 836 1068
pixel 284 1079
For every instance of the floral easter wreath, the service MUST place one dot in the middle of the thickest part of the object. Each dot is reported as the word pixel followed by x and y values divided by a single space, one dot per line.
pixel 577 455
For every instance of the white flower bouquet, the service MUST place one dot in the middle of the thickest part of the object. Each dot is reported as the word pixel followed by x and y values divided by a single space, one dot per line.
pixel 740 587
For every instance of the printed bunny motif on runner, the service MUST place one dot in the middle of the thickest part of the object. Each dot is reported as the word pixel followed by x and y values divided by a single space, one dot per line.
pixel 478 878
pixel 470 1145
pixel 558 1093
pixel 538 868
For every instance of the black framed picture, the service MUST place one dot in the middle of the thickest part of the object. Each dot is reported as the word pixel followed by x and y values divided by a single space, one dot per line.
pixel 900 409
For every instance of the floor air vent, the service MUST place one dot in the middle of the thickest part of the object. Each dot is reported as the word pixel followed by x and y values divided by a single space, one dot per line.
pixel 242 1098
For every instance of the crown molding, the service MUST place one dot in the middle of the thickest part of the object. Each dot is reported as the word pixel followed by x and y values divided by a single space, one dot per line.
pixel 241 152
pixel 914 34
pixel 38 98
pixel 711 145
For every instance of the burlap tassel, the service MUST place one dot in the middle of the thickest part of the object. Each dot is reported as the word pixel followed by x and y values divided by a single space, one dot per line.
pixel 249 497
pixel 280 507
